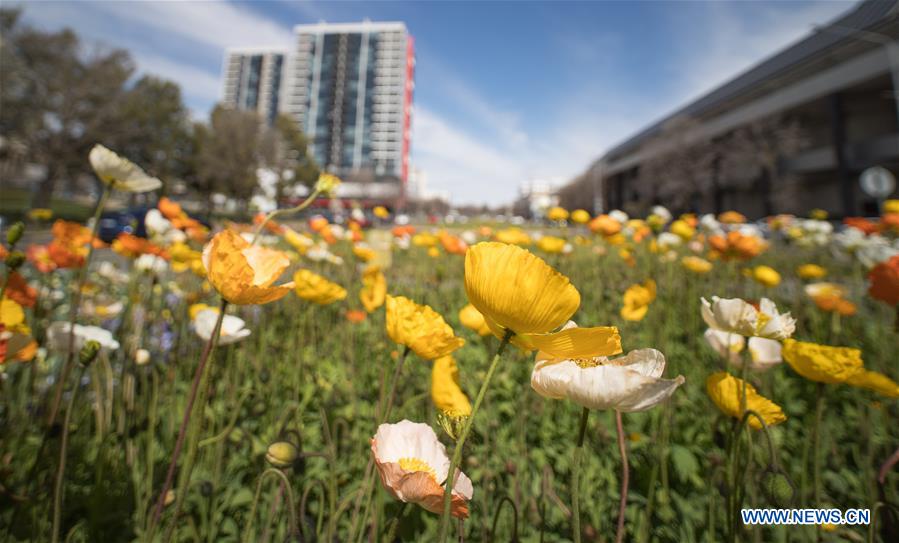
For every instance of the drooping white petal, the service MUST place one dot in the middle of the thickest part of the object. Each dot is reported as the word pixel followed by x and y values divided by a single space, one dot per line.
pixel 727 344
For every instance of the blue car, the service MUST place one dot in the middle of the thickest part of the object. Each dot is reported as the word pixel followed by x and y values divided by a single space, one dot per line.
pixel 113 223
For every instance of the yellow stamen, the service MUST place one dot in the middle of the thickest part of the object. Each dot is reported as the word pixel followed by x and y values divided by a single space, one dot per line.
pixel 415 464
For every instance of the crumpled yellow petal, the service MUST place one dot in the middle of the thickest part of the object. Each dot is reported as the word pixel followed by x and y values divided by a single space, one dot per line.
pixel 576 342
pixel 726 391
pixel 875 381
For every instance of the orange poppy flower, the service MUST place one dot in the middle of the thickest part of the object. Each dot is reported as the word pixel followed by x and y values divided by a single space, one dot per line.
pixel 737 245
pixel 356 316
pixel 39 256
pixel 452 244
pixel 884 281
pixel 271 226
pixel 402 231
pixel 18 290
pixel 242 273
pixel 863 224
pixel 605 225
pixel 71 232
pixel 66 255
pixel 171 210
pixel 132 246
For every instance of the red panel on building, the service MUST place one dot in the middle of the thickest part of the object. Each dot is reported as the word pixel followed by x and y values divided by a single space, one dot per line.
pixel 407 107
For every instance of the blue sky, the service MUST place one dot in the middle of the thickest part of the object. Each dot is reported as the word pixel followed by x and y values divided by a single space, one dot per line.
pixel 505 91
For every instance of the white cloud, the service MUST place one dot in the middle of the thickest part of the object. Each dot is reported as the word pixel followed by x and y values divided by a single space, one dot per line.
pixel 216 23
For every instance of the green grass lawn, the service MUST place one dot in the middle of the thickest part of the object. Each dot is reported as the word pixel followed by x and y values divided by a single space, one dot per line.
pixel 15 204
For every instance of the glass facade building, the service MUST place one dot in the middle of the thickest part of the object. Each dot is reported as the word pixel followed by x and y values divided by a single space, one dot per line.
pixel 350 87
pixel 253 80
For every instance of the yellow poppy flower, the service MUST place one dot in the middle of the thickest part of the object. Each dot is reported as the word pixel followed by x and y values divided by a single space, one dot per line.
pixel 810 271
pixel 314 288
pixel 472 319
pixel 242 273
pixel 11 313
pixel 580 216
pixel 425 240
pixel 518 292
pixel 682 229
pixel 363 253
pixel 420 328
pixel 513 235
pixel 726 391
pixel 551 244
pixel 696 264
pixel 300 242
pixel 374 288
pixel 637 299
pixel 765 275
pixel 875 381
pixel 822 363
pixel 183 257
pixel 445 391
pixel 557 214
pixel 381 212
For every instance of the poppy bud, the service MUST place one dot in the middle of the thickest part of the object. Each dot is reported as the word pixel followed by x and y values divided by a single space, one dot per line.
pixel 14 234
pixel 778 489
pixel 88 352
pixel 14 260
pixel 281 454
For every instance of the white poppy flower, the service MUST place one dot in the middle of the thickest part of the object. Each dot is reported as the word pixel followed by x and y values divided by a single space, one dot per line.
pixel 233 328
pixel 763 353
pixel 628 383
pixel 413 467
pixel 740 317
pixel 667 240
pixel 727 344
pixel 619 215
pixel 661 212
pixel 151 263
pixel 156 224
pixel 120 173
pixel 58 336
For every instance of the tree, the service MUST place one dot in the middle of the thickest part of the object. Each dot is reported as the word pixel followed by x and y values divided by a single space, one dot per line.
pixel 155 129
pixel 57 100
pixel 754 150
pixel 283 148
pixel 228 155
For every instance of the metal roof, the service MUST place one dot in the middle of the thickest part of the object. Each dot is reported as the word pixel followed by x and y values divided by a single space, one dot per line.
pixel 864 15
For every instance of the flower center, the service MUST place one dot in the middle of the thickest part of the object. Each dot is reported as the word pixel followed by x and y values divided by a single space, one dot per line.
pixel 589 362
pixel 416 464
pixel 763 320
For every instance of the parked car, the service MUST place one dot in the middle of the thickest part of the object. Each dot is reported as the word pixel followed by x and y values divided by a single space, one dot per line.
pixel 130 221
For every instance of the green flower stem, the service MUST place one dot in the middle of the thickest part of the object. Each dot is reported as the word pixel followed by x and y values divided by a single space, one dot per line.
pixel 61 470
pixel 576 476
pixel 291 513
pixel 816 444
pixel 303 205
pixel 625 477
pixel 369 478
pixel 73 311
pixel 460 443
pixel 201 374
pixel 391 532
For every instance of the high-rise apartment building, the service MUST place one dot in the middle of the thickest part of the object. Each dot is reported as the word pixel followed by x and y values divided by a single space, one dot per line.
pixel 348 85
pixel 254 79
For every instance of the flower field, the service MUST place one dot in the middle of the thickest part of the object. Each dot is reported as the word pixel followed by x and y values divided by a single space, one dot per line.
pixel 606 378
